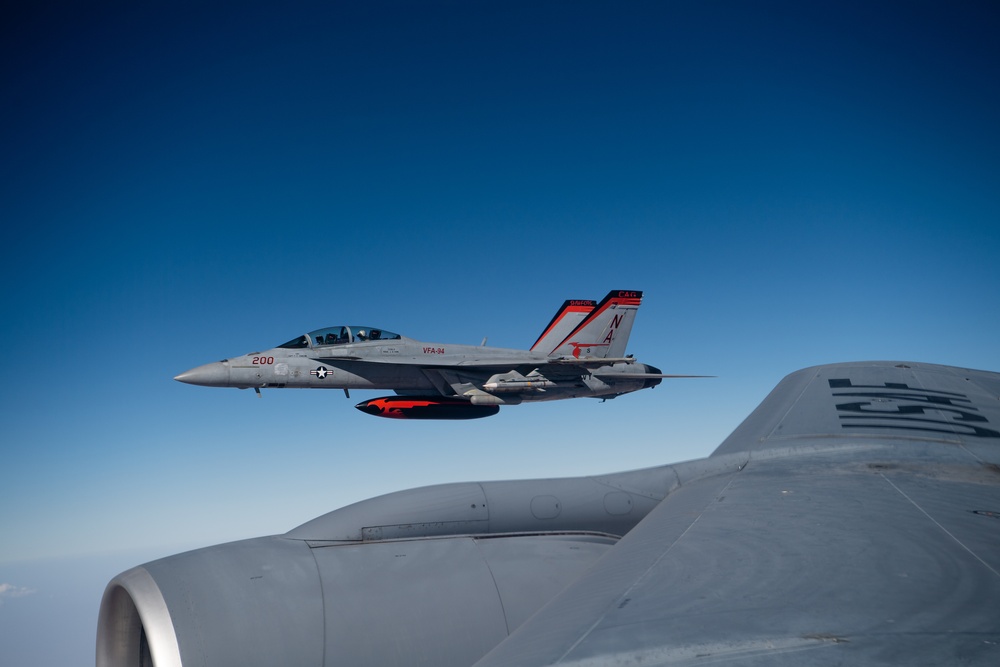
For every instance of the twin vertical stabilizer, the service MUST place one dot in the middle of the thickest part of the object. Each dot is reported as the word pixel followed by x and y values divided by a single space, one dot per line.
pixel 601 331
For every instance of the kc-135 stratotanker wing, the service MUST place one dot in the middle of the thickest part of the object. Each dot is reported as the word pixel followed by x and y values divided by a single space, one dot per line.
pixel 852 519
pixel 580 353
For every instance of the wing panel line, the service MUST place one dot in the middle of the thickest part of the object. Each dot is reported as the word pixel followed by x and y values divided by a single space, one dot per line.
pixel 936 523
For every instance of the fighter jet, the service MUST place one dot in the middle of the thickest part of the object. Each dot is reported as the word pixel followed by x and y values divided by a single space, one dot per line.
pixel 581 352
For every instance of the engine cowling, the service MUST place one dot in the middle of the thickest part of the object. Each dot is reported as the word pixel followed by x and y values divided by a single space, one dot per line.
pixel 430 576
pixel 280 601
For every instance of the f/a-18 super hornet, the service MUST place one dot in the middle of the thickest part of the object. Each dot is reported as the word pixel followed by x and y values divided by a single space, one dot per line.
pixel 580 353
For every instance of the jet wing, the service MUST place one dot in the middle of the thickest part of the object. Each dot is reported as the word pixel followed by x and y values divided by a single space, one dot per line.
pixel 853 518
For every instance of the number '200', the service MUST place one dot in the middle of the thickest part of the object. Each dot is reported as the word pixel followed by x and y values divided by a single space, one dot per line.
pixel 260 361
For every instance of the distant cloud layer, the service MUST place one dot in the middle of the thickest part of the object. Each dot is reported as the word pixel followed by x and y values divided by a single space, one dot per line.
pixel 11 591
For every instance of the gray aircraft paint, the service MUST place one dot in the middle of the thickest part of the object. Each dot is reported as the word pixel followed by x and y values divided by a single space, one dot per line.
pixel 851 519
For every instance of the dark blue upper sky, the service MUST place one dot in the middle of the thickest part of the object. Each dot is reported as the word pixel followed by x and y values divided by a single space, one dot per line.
pixel 789 183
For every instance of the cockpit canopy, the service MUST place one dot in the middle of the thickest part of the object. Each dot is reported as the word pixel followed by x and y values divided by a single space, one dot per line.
pixel 339 336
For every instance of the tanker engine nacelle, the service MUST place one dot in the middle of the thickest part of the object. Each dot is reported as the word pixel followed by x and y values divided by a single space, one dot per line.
pixel 432 576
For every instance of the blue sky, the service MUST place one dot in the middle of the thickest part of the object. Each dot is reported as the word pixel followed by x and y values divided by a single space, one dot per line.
pixel 788 184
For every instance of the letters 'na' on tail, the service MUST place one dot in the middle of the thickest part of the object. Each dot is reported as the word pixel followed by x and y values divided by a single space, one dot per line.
pixel 605 330
pixel 566 319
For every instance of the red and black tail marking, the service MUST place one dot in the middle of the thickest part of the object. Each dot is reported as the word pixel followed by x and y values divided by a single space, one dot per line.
pixel 565 319
pixel 604 332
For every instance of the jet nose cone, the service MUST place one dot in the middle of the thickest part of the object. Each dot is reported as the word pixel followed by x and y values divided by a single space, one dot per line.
pixel 210 375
